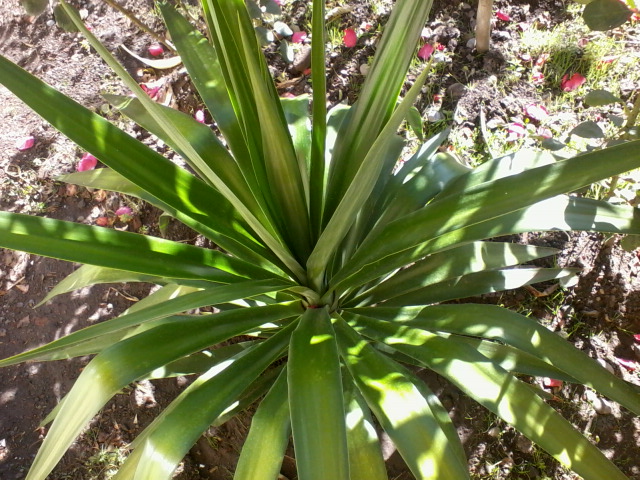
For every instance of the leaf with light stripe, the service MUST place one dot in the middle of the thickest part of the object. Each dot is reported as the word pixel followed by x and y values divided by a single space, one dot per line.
pixel 223 233
pixel 500 392
pixel 557 213
pixel 358 192
pixel 136 253
pixel 496 323
pixel 57 349
pixel 479 283
pixel 315 399
pixel 378 98
pixel 264 448
pixel 129 360
pixel 161 446
pixel 365 453
pixel 457 261
pixel 425 443
pixel 88 275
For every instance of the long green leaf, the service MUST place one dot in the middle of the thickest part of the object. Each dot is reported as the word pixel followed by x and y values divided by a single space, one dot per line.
pixel 458 261
pixel 258 108
pixel 500 392
pixel 58 349
pixel 430 447
pixel 358 192
pixel 223 234
pixel 264 448
pixel 88 275
pixel 557 213
pixel 203 64
pixel 123 363
pixel 151 172
pixel 480 283
pixel 496 323
pixel 365 453
pixel 121 250
pixel 491 199
pixel 281 162
pixel 162 445
pixel 510 358
pixel 214 159
pixel 317 168
pixel 296 112
pixel 378 97
pixel 315 399
pixel 201 61
pixel 269 236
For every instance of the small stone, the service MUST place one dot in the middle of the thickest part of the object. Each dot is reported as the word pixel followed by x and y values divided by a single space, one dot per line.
pixel 24 321
pixel 501 35
pixel 471 43
pixel 493 432
pixel 606 365
pixel 435 116
pixel 364 69
pixel 456 91
pixel 601 406
pixel 524 444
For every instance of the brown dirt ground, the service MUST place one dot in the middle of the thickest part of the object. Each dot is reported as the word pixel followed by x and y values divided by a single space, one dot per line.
pixel 599 314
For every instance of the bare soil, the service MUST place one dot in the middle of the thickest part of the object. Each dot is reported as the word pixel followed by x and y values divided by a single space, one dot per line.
pixel 599 315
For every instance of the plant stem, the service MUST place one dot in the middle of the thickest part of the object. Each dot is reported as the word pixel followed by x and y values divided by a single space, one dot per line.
pixel 633 116
pixel 131 16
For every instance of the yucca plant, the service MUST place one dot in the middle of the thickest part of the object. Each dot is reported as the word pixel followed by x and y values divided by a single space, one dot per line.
pixel 333 263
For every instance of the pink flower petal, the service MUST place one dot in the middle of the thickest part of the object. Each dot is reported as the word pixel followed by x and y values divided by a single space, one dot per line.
pixel 152 92
pixel 628 364
pixel 102 221
pixel 503 16
pixel 517 128
pixel 536 112
pixel 537 78
pixel 199 116
pixel 156 50
pixel 123 211
pixel 299 37
pixel 551 382
pixel 544 132
pixel 350 38
pixel 125 214
pixel 542 59
pixel 569 84
pixel 425 51
pixel 87 162
pixel 25 143
pixel 636 337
